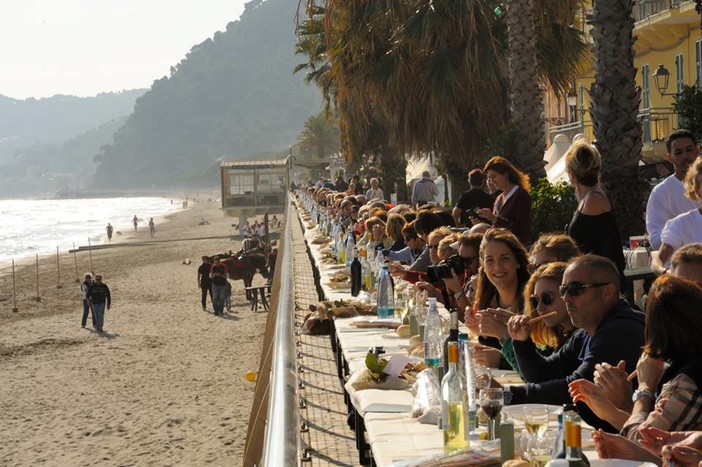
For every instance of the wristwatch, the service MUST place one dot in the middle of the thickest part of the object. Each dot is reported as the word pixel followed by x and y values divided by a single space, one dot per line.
pixel 459 294
pixel 638 394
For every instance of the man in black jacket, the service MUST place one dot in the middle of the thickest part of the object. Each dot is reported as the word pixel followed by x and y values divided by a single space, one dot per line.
pixel 99 297
pixel 609 331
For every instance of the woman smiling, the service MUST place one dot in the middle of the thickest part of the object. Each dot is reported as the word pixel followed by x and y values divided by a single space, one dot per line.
pixel 501 280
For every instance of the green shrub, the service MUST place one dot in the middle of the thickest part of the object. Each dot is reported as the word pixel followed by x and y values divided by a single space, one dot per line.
pixel 552 206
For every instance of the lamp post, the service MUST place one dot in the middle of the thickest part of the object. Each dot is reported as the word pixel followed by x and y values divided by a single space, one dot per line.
pixel 572 100
pixel 661 78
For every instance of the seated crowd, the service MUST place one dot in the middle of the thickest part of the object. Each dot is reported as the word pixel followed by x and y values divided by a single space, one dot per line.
pixel 592 338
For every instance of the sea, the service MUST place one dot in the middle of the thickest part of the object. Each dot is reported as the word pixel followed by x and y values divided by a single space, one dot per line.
pixel 37 226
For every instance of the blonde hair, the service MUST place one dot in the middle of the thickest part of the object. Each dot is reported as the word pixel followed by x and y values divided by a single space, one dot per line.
pixel 584 162
pixel 542 335
pixel 439 233
pixel 445 245
pixel 692 180
pixel 394 225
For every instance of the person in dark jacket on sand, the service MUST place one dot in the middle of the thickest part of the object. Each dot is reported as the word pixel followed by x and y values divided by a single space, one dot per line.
pixel 609 331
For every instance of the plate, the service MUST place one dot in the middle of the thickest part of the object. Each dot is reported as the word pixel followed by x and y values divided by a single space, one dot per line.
pixel 391 335
pixel 516 411
pixel 619 463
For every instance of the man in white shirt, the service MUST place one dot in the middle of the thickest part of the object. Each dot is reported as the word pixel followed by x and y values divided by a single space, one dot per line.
pixel 667 199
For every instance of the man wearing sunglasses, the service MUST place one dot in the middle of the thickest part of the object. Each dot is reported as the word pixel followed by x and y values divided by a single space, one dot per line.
pixel 609 330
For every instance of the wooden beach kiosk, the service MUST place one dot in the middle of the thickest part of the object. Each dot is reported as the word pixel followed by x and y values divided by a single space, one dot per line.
pixel 251 188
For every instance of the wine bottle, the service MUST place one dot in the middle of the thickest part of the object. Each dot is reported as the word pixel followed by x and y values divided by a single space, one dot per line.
pixel 452 405
pixel 356 276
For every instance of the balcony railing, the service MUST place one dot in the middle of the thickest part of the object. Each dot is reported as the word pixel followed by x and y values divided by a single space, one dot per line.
pixel 647 8
pixel 657 124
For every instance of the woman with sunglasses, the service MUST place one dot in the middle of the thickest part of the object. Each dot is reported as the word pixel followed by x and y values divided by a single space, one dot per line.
pixel 501 280
pixel 669 396
pixel 542 298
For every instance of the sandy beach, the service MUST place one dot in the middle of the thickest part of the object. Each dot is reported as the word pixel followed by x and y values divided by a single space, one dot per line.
pixel 164 385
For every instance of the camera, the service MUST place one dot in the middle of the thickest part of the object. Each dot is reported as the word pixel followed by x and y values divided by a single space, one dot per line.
pixel 444 268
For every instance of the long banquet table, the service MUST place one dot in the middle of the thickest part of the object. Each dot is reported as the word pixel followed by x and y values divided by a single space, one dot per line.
pixel 386 433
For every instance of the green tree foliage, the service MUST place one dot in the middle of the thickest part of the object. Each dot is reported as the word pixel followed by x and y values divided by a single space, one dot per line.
pixel 688 105
pixel 232 96
pixel 552 206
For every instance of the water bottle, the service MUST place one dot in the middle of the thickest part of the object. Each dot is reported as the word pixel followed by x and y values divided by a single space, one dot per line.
pixel 433 340
pixel 386 297
pixel 470 390
pixel 350 247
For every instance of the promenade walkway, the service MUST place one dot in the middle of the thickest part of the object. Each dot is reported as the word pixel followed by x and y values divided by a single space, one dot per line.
pixel 329 440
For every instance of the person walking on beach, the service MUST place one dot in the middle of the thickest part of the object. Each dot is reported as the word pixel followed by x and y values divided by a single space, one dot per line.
pixel 99 297
pixel 86 303
pixel 152 227
pixel 109 232
pixel 135 222
pixel 218 274
pixel 204 281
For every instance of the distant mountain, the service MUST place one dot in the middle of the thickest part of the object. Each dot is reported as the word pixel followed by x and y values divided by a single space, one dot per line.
pixel 44 168
pixel 233 96
pixel 56 119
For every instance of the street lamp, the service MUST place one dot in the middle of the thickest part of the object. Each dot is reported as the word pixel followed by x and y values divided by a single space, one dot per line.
pixel 661 77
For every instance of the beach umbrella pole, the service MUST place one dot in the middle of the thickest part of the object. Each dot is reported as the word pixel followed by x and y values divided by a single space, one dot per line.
pixel 58 269
pixel 14 290
pixel 75 263
pixel 90 253
pixel 37 298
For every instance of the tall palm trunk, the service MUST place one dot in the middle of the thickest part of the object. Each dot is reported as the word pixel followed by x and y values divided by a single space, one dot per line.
pixel 525 95
pixel 615 102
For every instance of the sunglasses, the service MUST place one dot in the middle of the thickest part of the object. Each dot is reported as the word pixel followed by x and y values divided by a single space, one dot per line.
pixel 578 288
pixel 546 298
pixel 409 239
pixel 433 247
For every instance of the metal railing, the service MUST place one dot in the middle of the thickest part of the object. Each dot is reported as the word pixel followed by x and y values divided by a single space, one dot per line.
pixel 647 8
pixel 657 124
pixel 273 437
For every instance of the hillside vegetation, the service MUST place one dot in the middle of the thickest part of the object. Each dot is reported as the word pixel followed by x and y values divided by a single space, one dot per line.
pixel 233 96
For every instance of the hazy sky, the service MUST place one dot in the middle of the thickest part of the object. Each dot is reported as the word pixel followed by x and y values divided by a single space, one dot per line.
pixel 83 47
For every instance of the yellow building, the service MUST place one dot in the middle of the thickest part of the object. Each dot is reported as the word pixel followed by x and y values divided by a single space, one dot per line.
pixel 668 33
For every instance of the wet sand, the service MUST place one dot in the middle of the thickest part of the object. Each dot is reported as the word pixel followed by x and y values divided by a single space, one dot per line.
pixel 164 385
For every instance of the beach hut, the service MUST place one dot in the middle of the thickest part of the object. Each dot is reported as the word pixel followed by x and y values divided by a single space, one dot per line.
pixel 251 188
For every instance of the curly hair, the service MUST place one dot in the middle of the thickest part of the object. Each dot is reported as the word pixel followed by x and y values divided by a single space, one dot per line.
pixel 693 180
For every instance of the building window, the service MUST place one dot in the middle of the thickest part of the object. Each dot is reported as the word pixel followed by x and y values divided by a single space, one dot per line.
pixel 646 86
pixel 241 183
pixel 698 63
pixel 679 75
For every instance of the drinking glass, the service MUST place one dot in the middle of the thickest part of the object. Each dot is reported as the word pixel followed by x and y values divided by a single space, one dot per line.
pixel 491 401
pixel 400 308
pixel 536 419
pixel 540 447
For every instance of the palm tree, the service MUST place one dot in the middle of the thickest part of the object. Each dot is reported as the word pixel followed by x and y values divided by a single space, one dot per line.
pixel 615 102
pixel 418 76
pixel 525 94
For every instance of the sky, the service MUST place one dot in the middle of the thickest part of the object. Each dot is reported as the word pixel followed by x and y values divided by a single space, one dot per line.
pixel 84 47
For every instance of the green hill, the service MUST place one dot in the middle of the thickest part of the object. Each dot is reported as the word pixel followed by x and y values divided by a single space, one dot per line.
pixel 233 96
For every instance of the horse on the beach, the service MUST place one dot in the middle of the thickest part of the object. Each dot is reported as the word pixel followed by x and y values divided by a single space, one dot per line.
pixel 245 268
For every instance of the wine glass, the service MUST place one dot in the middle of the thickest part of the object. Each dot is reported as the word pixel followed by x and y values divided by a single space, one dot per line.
pixel 536 419
pixel 539 448
pixel 491 401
